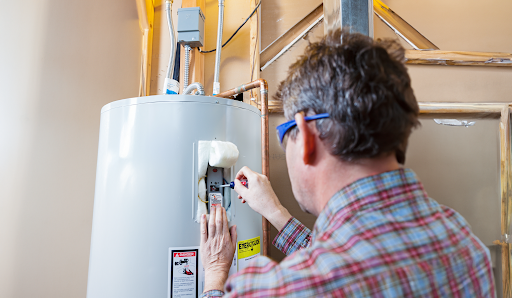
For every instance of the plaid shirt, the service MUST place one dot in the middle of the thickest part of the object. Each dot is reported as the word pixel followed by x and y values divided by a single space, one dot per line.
pixel 381 236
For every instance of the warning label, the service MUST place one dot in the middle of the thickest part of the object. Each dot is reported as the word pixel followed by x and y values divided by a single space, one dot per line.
pixel 215 199
pixel 247 250
pixel 184 272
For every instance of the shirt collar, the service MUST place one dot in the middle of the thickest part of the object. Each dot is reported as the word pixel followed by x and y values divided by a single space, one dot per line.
pixel 349 198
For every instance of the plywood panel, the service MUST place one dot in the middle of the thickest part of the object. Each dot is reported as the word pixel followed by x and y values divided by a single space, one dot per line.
pixel 459 168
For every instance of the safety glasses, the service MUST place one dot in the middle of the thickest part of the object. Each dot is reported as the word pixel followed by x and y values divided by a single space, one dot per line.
pixel 282 129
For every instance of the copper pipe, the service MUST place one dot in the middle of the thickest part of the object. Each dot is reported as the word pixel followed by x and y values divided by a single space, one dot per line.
pixel 265 166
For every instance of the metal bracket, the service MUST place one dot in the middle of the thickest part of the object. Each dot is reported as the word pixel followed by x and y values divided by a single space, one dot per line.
pixel 499 60
pixel 454 122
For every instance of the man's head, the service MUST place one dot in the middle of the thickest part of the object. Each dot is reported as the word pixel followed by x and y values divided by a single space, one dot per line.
pixel 364 87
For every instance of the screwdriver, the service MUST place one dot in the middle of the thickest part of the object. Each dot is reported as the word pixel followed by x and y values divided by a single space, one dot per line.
pixel 232 184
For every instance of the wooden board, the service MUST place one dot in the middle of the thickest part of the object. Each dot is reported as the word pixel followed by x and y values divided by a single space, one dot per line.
pixel 401 27
pixel 435 57
pixel 473 110
pixel 277 45
pixel 254 52
pixel 445 109
pixel 146 13
pixel 506 184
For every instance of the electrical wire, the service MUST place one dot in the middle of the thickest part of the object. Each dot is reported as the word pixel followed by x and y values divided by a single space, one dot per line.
pixel 201 200
pixel 252 13
pixel 254 55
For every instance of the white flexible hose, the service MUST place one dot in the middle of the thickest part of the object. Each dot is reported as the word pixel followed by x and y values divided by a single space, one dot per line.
pixel 192 87
pixel 186 72
pixel 216 83
pixel 168 10
pixel 171 86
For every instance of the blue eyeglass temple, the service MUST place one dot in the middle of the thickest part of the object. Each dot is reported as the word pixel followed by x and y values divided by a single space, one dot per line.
pixel 283 128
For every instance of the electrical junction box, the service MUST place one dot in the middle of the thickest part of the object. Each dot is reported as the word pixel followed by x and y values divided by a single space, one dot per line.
pixel 214 180
pixel 191 26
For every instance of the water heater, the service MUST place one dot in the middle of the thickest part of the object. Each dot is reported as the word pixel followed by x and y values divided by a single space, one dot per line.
pixel 145 236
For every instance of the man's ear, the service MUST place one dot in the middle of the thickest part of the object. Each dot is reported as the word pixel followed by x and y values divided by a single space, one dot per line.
pixel 307 136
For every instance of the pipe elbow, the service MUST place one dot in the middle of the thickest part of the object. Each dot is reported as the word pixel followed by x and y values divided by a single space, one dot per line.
pixel 192 87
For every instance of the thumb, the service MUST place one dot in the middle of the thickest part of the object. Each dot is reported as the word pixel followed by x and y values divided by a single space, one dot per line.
pixel 234 235
pixel 239 188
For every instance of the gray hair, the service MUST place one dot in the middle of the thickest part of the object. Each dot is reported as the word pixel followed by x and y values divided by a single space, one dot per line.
pixel 363 85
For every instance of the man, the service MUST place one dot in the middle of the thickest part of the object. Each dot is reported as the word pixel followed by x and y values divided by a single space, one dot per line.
pixel 377 232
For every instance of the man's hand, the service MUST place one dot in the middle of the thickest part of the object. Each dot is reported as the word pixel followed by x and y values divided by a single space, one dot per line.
pixel 218 245
pixel 261 197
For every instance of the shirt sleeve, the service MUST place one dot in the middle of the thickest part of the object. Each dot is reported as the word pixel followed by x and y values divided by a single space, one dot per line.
pixel 212 293
pixel 292 237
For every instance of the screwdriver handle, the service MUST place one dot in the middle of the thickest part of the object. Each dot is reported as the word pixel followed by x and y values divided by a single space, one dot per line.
pixel 244 183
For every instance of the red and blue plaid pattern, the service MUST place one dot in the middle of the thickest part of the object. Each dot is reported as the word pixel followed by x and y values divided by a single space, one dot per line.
pixel 292 237
pixel 378 237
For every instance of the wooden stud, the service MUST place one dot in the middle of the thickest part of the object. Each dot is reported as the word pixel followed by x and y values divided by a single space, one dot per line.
pixel 448 109
pixel 444 109
pixel 254 52
pixel 506 184
pixel 507 285
pixel 458 58
pixel 401 27
pixel 146 13
pixel 289 36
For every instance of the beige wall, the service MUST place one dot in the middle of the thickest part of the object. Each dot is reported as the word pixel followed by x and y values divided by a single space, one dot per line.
pixel 60 62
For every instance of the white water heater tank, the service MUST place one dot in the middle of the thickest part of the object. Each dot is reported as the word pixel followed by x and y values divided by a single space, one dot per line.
pixel 145 237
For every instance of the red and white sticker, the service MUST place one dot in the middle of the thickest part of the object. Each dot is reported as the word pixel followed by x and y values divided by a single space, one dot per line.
pixel 186 274
pixel 215 199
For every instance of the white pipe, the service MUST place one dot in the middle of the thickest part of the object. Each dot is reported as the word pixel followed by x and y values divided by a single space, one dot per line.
pixel 192 87
pixel 216 83
pixel 170 85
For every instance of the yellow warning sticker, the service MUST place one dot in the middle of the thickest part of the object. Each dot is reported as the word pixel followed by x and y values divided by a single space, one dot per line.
pixel 248 248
